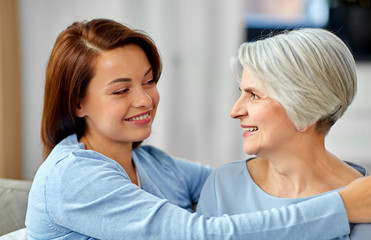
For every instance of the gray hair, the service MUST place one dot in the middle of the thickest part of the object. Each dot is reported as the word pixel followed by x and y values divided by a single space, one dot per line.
pixel 309 71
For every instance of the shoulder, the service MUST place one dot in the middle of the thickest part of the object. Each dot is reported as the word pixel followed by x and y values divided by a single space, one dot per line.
pixel 361 231
pixel 65 147
pixel 232 167
pixel 230 176
pixel 222 189
pixel 70 162
pixel 69 173
pixel 69 153
pixel 228 173
pixel 358 167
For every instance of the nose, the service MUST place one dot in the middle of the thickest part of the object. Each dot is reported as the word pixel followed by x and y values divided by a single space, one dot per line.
pixel 239 109
pixel 142 98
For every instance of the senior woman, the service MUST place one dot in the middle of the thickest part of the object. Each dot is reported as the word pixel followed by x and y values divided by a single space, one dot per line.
pixel 294 87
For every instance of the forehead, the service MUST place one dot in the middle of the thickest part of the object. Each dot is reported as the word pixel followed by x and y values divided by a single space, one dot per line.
pixel 123 57
pixel 248 79
pixel 129 61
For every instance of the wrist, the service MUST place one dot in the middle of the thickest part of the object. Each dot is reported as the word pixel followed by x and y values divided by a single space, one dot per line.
pixel 347 204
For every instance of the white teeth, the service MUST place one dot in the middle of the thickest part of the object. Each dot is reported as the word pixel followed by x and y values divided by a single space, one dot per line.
pixel 251 129
pixel 138 118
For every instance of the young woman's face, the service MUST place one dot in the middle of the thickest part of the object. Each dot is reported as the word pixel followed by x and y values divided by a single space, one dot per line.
pixel 122 98
pixel 265 122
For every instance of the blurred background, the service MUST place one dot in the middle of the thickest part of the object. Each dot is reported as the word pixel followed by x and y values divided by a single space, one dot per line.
pixel 196 40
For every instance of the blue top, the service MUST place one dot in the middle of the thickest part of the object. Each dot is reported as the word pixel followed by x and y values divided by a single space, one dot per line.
pixel 231 190
pixel 82 194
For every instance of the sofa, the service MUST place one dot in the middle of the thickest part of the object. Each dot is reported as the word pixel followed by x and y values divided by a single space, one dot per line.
pixel 13 204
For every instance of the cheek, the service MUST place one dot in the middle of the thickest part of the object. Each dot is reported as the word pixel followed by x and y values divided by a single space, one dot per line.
pixel 282 117
pixel 269 119
pixel 280 123
pixel 261 113
pixel 94 107
pixel 112 110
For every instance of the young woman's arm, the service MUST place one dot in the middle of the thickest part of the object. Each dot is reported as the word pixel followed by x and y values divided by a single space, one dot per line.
pixel 92 197
pixel 357 200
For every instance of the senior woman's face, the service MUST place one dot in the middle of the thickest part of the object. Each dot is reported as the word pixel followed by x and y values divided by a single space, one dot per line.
pixel 266 126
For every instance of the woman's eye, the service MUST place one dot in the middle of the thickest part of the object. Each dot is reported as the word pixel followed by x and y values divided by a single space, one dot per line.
pixel 121 91
pixel 151 82
pixel 253 96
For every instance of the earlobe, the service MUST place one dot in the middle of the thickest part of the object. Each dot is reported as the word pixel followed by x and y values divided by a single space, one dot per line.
pixel 79 111
pixel 304 128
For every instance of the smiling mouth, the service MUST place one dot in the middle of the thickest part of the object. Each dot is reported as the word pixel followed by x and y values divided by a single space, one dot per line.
pixel 251 129
pixel 138 118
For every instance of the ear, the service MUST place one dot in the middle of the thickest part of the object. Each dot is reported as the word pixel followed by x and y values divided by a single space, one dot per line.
pixel 79 111
pixel 304 128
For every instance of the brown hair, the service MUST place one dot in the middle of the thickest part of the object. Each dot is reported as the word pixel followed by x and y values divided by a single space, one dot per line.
pixel 71 66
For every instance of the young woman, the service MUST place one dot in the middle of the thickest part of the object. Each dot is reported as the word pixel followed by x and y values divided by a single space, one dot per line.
pixel 294 87
pixel 97 182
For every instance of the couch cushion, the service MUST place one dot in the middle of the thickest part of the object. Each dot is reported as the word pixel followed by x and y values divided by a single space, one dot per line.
pixel 16 235
pixel 13 204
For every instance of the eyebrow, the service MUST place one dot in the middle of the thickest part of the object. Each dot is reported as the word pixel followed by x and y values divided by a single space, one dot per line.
pixel 128 79
pixel 249 89
pixel 148 71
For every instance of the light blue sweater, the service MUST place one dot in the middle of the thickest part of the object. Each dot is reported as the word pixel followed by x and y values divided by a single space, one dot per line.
pixel 231 190
pixel 81 194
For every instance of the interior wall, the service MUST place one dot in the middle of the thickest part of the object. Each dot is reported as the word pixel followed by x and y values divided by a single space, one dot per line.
pixel 11 158
pixel 350 137
pixel 197 87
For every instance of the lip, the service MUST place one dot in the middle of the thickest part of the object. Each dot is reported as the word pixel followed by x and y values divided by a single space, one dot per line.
pixel 140 114
pixel 144 121
pixel 248 133
pixel 249 126
pixel 246 126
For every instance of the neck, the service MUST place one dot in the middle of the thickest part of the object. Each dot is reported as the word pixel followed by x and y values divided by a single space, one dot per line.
pixel 302 169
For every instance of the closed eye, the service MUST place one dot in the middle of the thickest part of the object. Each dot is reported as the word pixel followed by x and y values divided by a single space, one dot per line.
pixel 150 82
pixel 121 91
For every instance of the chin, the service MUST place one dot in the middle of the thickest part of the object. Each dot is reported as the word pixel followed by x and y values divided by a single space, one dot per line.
pixel 144 136
pixel 249 150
